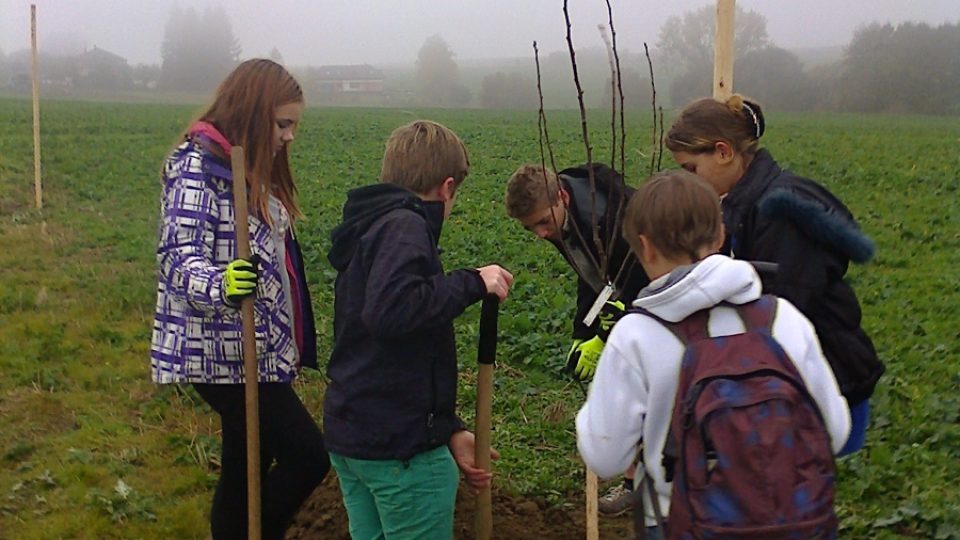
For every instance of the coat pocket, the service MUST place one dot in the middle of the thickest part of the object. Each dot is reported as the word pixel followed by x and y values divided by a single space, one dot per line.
pixel 223 338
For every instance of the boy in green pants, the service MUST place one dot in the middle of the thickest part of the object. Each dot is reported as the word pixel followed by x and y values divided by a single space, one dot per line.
pixel 389 411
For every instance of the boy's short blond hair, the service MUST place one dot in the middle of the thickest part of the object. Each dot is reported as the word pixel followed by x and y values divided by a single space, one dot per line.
pixel 531 188
pixel 421 155
pixel 677 211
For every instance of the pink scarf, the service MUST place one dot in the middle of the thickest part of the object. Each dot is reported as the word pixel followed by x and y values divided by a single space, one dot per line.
pixel 210 131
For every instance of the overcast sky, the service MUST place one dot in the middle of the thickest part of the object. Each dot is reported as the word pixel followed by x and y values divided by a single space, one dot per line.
pixel 392 31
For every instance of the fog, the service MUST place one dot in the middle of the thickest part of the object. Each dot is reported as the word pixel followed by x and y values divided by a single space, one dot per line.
pixel 391 32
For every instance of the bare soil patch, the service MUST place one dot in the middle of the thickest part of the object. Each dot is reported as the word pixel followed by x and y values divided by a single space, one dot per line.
pixel 324 517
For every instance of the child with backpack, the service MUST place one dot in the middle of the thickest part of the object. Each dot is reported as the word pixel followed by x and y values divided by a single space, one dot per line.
pixel 777 216
pixel 738 411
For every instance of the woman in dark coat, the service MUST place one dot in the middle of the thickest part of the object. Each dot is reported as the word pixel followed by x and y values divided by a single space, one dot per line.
pixel 776 216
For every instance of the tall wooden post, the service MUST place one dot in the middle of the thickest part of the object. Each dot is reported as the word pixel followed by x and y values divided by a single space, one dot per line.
pixel 723 50
pixel 37 185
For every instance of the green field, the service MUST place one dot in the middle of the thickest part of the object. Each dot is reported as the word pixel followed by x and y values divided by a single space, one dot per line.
pixel 91 449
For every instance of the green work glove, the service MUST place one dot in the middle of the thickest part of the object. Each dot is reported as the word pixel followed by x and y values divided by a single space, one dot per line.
pixel 583 357
pixel 240 279
pixel 610 313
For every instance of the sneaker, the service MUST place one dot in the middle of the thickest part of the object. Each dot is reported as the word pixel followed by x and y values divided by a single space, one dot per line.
pixel 617 500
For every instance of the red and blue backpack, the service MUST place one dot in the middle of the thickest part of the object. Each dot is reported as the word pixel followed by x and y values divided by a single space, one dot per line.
pixel 747 452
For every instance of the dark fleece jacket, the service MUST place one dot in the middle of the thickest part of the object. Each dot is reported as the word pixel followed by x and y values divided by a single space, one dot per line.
pixel 776 216
pixel 393 369
pixel 603 210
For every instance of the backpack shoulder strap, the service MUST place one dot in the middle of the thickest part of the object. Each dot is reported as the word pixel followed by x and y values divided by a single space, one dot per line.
pixel 759 314
pixel 689 330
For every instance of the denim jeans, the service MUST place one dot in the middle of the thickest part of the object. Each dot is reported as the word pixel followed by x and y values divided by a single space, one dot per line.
pixel 859 419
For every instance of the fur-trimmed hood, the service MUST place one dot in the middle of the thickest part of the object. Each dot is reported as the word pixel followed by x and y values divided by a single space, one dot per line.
pixel 826 225
pixel 780 194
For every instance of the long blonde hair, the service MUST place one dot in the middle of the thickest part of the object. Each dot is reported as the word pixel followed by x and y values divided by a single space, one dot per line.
pixel 243 110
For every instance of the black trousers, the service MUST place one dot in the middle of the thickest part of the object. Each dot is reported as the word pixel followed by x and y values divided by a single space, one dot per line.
pixel 293 459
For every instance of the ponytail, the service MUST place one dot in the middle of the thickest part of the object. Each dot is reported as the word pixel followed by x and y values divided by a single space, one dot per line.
pixel 703 123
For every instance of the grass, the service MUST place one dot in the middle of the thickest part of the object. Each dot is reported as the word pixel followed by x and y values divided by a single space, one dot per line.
pixel 92 449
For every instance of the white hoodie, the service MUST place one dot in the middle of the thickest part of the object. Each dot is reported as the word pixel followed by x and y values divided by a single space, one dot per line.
pixel 631 398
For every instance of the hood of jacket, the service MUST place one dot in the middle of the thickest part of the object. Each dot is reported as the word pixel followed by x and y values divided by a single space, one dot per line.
pixel 590 203
pixel 689 289
pixel 367 204
pixel 780 194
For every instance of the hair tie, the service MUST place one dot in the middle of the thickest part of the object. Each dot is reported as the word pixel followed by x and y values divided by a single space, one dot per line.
pixel 758 128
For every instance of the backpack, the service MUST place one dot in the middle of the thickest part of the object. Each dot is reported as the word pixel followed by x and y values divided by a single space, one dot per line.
pixel 747 452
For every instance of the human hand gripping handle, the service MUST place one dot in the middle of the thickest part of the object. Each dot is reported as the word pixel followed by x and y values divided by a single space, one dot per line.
pixel 462 447
pixel 240 279
pixel 497 280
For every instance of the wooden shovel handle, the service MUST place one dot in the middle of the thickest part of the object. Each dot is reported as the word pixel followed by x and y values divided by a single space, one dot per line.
pixel 250 367
pixel 486 355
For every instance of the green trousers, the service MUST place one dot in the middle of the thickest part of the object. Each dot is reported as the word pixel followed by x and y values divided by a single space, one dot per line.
pixel 399 500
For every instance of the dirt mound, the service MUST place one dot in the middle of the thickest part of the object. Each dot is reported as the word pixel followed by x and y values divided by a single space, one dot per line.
pixel 324 517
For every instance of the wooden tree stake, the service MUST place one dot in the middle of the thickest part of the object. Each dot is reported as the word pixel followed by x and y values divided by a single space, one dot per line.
pixel 593 526
pixel 37 185
pixel 723 51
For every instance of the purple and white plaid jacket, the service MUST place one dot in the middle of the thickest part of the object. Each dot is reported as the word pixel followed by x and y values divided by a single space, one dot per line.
pixel 196 334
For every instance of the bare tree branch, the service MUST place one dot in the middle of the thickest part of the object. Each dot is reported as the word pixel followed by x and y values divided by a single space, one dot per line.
pixel 660 151
pixel 623 124
pixel 545 141
pixel 613 93
pixel 613 229
pixel 653 107
pixel 542 119
pixel 601 251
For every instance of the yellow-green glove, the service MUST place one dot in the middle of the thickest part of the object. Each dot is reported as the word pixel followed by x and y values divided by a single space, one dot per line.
pixel 583 357
pixel 610 313
pixel 240 279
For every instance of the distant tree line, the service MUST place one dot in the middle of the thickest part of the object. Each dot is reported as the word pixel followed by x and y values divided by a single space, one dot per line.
pixel 198 50
pixel 905 68
pixel 93 68
pixel 508 91
pixel 439 81
pixel 438 76
pixel 885 68
pixel 910 67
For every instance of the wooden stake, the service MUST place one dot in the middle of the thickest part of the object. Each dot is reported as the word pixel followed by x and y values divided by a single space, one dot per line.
pixel 723 51
pixel 486 355
pixel 250 367
pixel 37 185
pixel 593 526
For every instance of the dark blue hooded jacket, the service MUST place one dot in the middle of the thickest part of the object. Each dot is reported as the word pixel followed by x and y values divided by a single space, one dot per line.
pixel 393 369
pixel 776 216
